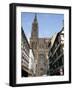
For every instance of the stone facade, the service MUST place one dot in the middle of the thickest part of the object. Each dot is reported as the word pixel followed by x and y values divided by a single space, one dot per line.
pixel 40 48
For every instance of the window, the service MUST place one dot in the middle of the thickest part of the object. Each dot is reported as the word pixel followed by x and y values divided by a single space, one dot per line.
pixel 42 59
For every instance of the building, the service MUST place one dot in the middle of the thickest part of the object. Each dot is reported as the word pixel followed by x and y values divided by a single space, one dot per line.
pixel 40 49
pixel 31 62
pixel 56 54
pixel 25 48
pixel 42 56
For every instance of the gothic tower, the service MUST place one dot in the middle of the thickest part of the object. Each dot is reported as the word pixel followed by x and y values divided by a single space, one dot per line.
pixel 34 37
pixel 40 49
pixel 34 33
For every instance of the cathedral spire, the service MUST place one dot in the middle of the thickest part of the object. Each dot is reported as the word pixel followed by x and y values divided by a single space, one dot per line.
pixel 34 33
pixel 35 19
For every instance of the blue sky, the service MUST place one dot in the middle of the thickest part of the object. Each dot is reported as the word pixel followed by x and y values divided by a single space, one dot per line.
pixel 48 23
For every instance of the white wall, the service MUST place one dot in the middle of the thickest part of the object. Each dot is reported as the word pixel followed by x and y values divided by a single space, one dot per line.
pixel 31 59
pixel 4 45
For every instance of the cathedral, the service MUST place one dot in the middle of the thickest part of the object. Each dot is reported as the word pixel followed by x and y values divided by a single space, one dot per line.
pixel 40 47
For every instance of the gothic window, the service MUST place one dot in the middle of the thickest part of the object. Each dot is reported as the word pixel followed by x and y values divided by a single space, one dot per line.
pixel 42 59
pixel 41 46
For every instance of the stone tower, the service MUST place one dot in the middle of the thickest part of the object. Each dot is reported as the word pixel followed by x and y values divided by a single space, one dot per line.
pixel 34 37
pixel 40 49
pixel 34 34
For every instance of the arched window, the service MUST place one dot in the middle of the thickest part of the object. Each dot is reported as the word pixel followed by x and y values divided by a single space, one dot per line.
pixel 41 58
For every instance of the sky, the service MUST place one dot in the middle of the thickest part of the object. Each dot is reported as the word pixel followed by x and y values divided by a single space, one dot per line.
pixel 48 23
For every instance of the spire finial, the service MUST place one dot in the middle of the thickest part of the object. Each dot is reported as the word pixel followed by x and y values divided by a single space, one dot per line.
pixel 35 19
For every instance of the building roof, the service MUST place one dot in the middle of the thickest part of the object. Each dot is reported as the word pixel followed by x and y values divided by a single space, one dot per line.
pixel 55 36
pixel 53 39
pixel 22 31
